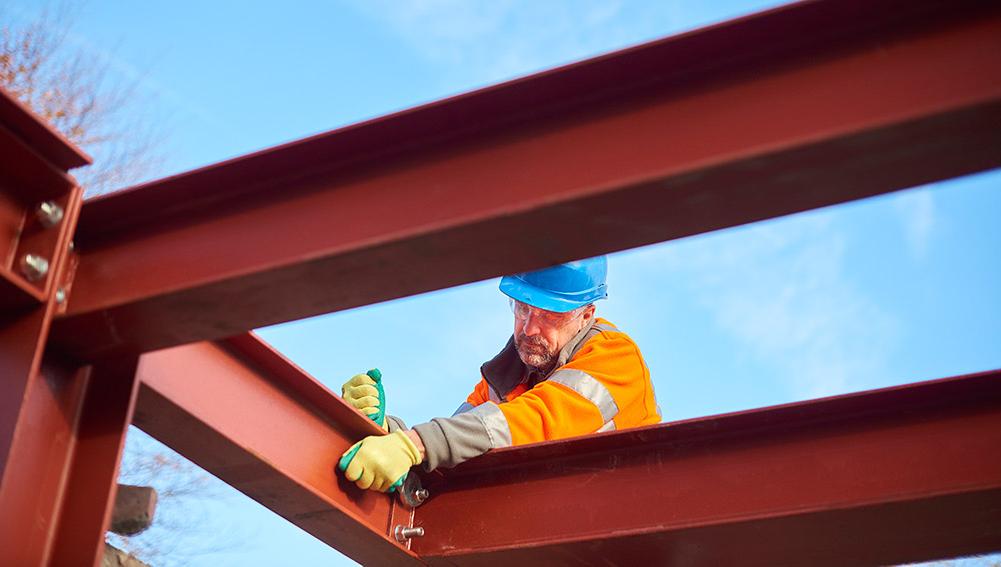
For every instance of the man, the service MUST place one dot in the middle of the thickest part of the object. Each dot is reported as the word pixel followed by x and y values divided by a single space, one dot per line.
pixel 562 373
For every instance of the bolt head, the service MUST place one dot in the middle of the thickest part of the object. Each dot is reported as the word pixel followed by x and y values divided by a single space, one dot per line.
pixel 403 533
pixel 34 267
pixel 60 296
pixel 49 214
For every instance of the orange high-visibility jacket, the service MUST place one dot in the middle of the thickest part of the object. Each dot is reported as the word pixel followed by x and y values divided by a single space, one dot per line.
pixel 600 383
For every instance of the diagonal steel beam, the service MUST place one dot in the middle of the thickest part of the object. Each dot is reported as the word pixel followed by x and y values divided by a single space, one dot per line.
pixel 249 416
pixel 804 106
pixel 890 476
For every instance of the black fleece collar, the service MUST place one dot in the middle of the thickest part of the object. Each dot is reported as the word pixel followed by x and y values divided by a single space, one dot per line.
pixel 506 370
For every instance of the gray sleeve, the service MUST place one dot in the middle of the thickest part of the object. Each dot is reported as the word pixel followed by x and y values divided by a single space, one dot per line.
pixel 395 424
pixel 449 441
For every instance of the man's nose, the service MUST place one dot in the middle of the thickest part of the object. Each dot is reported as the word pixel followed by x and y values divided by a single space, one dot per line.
pixel 531 327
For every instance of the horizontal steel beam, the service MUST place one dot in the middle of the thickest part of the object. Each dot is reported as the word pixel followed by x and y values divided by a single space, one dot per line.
pixel 875 478
pixel 247 415
pixel 804 106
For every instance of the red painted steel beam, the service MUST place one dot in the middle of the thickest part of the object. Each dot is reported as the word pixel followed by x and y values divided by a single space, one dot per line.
pixel 36 157
pixel 247 415
pixel 800 107
pixel 91 477
pixel 875 478
pixel 27 306
pixel 60 482
pixel 62 427
pixel 39 135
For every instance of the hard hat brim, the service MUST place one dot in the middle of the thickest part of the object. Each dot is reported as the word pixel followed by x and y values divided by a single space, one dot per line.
pixel 520 290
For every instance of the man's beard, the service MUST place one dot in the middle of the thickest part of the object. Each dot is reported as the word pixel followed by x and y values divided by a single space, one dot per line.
pixel 535 351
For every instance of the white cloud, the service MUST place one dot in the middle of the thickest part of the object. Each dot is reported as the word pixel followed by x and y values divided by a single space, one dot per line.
pixel 780 289
pixel 916 211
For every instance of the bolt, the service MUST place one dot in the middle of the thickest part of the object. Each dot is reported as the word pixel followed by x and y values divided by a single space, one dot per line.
pixel 421 494
pixel 60 296
pixel 403 533
pixel 49 214
pixel 72 246
pixel 34 267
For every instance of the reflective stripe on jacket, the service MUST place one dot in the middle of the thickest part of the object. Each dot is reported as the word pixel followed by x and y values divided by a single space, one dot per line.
pixel 600 383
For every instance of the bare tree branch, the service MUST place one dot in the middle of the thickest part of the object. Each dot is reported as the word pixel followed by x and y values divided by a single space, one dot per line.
pixel 187 523
pixel 79 95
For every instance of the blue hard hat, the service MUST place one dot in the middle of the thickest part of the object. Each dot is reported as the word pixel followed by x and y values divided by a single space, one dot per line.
pixel 560 288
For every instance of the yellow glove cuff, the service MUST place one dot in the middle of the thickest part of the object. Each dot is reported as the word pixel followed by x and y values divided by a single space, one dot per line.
pixel 412 451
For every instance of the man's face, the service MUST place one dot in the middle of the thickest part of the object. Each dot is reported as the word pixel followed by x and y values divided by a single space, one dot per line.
pixel 539 334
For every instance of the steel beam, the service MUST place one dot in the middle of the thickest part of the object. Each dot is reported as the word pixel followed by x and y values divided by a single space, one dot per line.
pixel 59 485
pixel 91 481
pixel 875 478
pixel 804 106
pixel 894 475
pixel 27 302
pixel 62 426
pixel 247 415
pixel 45 141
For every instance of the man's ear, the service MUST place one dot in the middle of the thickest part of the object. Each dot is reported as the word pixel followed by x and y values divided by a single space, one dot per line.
pixel 589 312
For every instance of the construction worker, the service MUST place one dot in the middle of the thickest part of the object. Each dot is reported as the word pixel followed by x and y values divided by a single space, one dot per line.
pixel 563 373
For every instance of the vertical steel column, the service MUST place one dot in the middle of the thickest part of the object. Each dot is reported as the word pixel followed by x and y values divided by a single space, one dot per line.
pixel 62 425
pixel 34 261
pixel 91 482
pixel 60 488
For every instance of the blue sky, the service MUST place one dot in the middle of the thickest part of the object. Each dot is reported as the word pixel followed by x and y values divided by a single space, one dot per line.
pixel 880 292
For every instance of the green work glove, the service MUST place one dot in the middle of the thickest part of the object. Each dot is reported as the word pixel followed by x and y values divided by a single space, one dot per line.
pixel 365 393
pixel 380 462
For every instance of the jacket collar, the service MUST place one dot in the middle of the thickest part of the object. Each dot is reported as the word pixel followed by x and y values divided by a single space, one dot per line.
pixel 506 370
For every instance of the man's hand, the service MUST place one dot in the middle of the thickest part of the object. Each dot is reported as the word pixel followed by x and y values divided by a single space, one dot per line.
pixel 366 394
pixel 380 462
